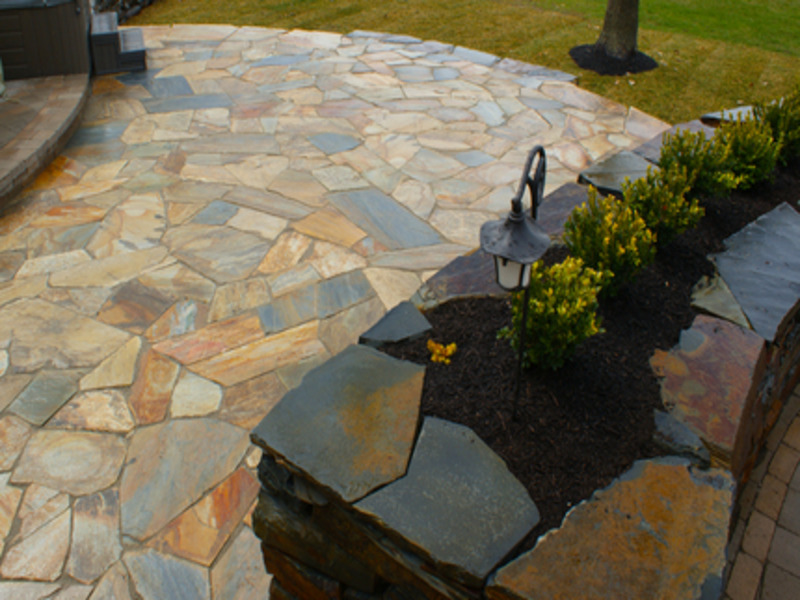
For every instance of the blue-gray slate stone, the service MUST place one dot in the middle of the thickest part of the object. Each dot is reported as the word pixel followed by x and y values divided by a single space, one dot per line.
pixel 403 322
pixel 472 274
pixel 216 213
pixel 156 575
pixel 458 506
pixel 331 143
pixel 730 114
pixel 676 437
pixel 173 103
pixel 608 175
pixel 384 219
pixel 761 266
pixel 557 206
pixel 350 425
pixel 651 150
pixel 164 87
pixel 43 396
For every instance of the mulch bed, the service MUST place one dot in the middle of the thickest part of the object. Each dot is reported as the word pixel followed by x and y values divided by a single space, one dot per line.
pixel 579 427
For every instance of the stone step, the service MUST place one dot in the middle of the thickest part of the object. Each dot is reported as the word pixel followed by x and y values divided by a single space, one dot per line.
pixel 132 51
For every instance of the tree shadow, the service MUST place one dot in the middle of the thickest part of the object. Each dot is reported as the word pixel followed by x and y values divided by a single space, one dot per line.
pixel 592 58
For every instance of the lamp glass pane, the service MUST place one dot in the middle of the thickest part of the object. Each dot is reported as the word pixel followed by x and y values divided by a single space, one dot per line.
pixel 512 275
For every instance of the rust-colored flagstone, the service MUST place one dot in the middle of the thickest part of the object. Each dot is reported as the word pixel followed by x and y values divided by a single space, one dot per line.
pixel 201 531
pixel 152 390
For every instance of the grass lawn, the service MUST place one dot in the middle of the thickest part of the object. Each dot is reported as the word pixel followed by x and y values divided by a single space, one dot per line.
pixel 712 54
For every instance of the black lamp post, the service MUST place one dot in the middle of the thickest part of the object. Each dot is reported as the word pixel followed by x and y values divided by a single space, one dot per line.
pixel 517 242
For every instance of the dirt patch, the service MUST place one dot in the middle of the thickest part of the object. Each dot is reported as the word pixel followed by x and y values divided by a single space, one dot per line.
pixel 579 427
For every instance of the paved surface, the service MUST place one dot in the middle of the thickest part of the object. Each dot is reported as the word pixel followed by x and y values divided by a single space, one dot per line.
pixel 219 225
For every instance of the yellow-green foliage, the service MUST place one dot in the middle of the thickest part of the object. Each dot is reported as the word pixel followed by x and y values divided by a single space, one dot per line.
pixel 752 153
pixel 660 199
pixel 610 237
pixel 562 312
pixel 783 118
pixel 706 163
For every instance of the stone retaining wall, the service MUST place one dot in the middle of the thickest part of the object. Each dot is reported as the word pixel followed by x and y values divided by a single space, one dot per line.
pixel 363 499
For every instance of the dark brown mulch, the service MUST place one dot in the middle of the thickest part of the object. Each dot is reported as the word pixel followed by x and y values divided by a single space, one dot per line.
pixel 578 428
pixel 593 58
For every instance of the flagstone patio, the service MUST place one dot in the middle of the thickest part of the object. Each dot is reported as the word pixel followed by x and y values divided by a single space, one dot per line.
pixel 219 225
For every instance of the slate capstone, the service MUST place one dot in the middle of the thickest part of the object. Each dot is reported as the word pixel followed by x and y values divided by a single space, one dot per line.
pixel 468 275
pixel 557 206
pixel 761 266
pixel 403 322
pixel 458 505
pixel 609 174
pixel 730 114
pixel 350 424
pixel 651 150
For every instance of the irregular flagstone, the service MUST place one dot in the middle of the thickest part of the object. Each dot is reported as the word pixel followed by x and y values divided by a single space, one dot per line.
pixel 393 286
pixel 10 386
pixel 194 396
pixel 199 533
pixel 342 291
pixel 403 322
pixel 669 544
pixel 134 307
pixel 74 462
pixel 74 592
pixel 237 297
pixel 341 330
pixel 97 410
pixel 48 391
pixel 356 396
pixel 222 254
pixel 14 433
pixel 267 226
pixel 183 317
pixel 117 370
pixel 137 223
pixel 246 403
pixel 158 576
pixel 152 390
pixel 715 297
pixel 212 339
pixel 95 536
pixel 52 262
pixel 608 175
pixel 26 590
pixel 9 501
pixel 78 342
pixel 330 260
pixel 762 268
pixel 330 226
pixel 179 282
pixel 69 214
pixel 263 356
pixel 40 505
pixel 22 288
pixel 41 555
pixel 85 300
pixel 267 202
pixel 708 383
pixel 109 271
pixel 114 585
pixel 292 282
pixel 285 253
pixel 239 573
pixel 433 506
pixel 157 481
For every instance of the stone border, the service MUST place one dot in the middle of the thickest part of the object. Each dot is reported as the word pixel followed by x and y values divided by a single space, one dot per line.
pixel 660 530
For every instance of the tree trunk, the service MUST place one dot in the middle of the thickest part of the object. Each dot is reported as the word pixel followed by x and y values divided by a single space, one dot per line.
pixel 620 28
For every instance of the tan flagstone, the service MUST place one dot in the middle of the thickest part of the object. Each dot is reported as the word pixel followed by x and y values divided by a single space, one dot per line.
pixel 237 297
pixel 340 178
pixel 40 505
pixel 78 341
pixel 302 96
pixel 79 191
pixel 41 555
pixel 10 497
pixel 111 270
pixel 140 131
pixel 182 317
pixel 253 457
pixel 182 68
pixel 73 592
pixel 199 533
pixel 103 172
pixel 85 300
pixel 330 226
pixel 341 330
pixel 125 109
pixel 330 260
pixel 96 410
pixel 67 215
pixel 212 339
pixel 180 212
pixel 52 262
pixel 179 281
pixel 258 171
pixel 117 370
pixel 75 462
pixel 238 574
pixel 299 186
pixel 266 226
pixel 209 173
pixel 263 356
pixel 3 362
pixel 62 171
pixel 95 536
pixel 396 149
pixel 246 403
pixel 216 117
pixel 135 224
pixel 643 126
pixel 393 286
pixel 170 135
pixel 114 585
pixel 10 386
pixel 151 392
pixel 24 288
pixel 14 433
pixel 246 126
pixel 194 396
pixel 597 146
pixel 26 590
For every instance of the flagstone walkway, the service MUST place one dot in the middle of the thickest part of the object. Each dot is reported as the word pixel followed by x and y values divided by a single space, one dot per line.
pixel 219 225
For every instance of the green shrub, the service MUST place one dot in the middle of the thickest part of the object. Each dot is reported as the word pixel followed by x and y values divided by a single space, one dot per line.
pixel 705 162
pixel 752 152
pixel 562 312
pixel 611 238
pixel 660 199
pixel 783 118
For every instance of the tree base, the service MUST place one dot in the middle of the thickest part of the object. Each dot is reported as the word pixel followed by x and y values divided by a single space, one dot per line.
pixel 593 58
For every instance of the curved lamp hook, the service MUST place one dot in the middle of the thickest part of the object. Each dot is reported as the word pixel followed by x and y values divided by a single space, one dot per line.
pixel 535 184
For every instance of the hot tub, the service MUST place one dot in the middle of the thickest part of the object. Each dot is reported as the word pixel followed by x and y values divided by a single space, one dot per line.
pixel 44 37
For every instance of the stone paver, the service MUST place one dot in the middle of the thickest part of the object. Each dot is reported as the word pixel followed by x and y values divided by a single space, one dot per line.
pixel 219 225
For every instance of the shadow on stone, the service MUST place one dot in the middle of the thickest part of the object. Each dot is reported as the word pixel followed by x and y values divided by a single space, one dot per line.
pixel 591 58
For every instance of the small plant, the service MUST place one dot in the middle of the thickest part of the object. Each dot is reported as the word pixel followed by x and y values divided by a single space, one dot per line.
pixel 610 237
pixel 752 151
pixel 705 163
pixel 660 199
pixel 562 312
pixel 783 118
pixel 441 353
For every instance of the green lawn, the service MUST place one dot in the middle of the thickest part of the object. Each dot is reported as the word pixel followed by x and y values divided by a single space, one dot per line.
pixel 712 54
